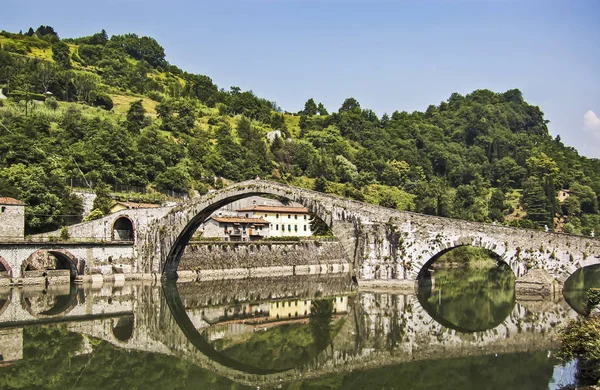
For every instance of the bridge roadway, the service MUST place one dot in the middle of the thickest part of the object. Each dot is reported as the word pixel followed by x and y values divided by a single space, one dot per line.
pixel 380 243
pixel 377 330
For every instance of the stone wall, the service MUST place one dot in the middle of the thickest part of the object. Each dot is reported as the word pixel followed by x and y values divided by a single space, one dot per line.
pixel 230 255
pixel 12 222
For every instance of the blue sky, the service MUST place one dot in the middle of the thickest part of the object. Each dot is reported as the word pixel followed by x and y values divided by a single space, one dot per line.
pixel 389 55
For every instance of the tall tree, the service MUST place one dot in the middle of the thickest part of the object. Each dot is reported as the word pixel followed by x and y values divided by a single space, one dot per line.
pixel 135 116
pixel 310 107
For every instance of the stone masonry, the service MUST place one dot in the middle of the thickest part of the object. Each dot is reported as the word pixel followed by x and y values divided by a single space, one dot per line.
pixel 379 243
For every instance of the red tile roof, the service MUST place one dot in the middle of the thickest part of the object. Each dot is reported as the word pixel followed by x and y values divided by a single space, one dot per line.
pixel 11 201
pixel 277 209
pixel 259 221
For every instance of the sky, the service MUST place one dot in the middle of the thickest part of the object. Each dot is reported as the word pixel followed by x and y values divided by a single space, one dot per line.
pixel 389 55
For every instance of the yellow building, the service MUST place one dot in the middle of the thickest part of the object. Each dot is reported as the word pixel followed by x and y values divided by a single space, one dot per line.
pixel 132 205
pixel 293 308
pixel 284 221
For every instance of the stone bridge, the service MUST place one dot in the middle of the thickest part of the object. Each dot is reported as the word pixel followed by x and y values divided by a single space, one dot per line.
pixel 380 243
pixel 376 329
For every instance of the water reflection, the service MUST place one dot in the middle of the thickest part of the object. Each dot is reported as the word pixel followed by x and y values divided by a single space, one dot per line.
pixel 297 333
pixel 472 297
pixel 576 287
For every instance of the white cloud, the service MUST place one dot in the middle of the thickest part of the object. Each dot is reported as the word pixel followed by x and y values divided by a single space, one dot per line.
pixel 591 123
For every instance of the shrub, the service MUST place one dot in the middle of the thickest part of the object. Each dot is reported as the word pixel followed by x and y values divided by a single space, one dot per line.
pixel 51 103
pixel 64 234
pixel 94 214
pixel 101 99
pixel 593 298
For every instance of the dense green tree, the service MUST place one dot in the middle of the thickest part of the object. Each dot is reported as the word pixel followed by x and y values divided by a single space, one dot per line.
pixel 497 205
pixel 135 116
pixel 536 203
pixel 321 110
pixel 310 107
pixel 61 54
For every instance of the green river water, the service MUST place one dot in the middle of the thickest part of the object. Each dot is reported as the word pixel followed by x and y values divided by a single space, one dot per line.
pixel 466 331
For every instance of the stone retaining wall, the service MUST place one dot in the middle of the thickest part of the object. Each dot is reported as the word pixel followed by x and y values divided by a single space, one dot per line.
pixel 262 258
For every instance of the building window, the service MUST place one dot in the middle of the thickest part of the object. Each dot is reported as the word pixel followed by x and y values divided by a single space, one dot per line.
pixel 289 228
pixel 246 215
pixel 265 215
pixel 276 215
pixel 295 228
pixel 276 227
pixel 305 217
pixel 304 227
pixel 295 216
pixel 289 216
pixel 3 209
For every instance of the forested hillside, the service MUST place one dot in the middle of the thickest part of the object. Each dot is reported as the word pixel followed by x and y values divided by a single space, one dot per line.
pixel 111 111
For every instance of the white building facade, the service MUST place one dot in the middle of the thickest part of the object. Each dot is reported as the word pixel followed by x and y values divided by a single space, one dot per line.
pixel 284 221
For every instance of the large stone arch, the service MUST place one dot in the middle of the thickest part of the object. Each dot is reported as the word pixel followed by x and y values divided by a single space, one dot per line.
pixel 167 237
pixel 122 229
pixel 5 266
pixel 66 259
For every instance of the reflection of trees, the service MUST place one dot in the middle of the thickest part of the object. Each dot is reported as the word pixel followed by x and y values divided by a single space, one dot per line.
pixel 576 287
pixel 473 298
pixel 321 312
pixel 286 346
pixel 51 361
pixel 509 371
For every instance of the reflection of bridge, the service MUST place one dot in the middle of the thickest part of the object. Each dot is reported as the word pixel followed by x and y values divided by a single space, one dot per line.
pixel 382 243
pixel 377 330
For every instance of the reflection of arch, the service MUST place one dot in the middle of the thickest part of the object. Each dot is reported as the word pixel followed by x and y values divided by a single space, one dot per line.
pixel 577 285
pixel 192 215
pixel 461 295
pixel 5 267
pixel 123 329
pixel 123 229
pixel 63 305
pixel 177 308
pixel 65 260
pixel 463 241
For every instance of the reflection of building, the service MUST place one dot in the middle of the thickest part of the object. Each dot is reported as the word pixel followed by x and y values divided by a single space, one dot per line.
pixel 11 345
pixel 284 221
pixel 236 228
pixel 301 307
pixel 12 219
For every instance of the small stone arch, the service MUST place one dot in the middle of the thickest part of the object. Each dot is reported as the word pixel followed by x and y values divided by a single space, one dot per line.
pixel 441 249
pixel 5 267
pixel 122 328
pixel 64 305
pixel 64 258
pixel 123 229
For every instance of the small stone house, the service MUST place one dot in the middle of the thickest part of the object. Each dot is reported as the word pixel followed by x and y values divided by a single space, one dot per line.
pixel 12 219
pixel 236 228
pixel 563 195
